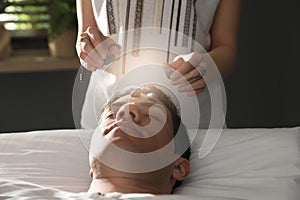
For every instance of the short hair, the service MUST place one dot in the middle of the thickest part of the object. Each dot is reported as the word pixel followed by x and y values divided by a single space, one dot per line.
pixel 182 139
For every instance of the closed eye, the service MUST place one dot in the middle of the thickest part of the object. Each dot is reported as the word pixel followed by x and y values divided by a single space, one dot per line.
pixel 157 112
pixel 153 117
pixel 109 116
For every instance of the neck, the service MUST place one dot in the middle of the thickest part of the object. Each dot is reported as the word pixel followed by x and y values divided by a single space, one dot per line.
pixel 126 185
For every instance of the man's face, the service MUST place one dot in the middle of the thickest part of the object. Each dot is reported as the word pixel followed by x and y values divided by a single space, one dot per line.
pixel 138 124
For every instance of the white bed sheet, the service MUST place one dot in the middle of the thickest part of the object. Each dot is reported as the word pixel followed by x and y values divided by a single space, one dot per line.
pixel 245 164
pixel 16 189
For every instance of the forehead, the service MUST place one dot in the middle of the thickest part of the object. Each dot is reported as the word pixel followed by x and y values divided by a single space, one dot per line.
pixel 147 94
pixel 144 100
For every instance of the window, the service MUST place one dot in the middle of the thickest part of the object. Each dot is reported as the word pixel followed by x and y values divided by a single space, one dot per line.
pixel 30 28
pixel 27 21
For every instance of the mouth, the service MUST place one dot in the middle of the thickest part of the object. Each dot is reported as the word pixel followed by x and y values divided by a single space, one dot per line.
pixel 126 127
pixel 106 131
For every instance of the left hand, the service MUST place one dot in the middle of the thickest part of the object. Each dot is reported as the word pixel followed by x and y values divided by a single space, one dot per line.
pixel 187 76
pixel 96 50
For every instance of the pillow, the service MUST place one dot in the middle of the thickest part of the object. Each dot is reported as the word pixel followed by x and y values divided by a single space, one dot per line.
pixel 90 110
pixel 245 163
pixel 54 158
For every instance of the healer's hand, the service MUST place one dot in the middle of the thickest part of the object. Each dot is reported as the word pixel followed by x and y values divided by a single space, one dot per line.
pixel 188 73
pixel 96 50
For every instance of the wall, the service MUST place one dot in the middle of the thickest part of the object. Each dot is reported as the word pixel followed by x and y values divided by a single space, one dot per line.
pixel 36 101
pixel 264 90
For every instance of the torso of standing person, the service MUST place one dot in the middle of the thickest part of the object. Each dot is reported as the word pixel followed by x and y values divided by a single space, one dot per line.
pixel 192 18
pixel 189 21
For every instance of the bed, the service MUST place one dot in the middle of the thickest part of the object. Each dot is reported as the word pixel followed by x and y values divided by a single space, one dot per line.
pixel 244 164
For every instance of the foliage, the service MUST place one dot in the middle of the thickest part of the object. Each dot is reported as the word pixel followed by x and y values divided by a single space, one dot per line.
pixel 25 14
pixel 3 5
pixel 62 17
pixel 54 15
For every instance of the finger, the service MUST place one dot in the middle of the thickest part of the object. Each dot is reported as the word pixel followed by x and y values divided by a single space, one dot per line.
pixel 90 55
pixel 115 50
pixel 109 50
pixel 176 64
pixel 168 70
pixel 91 68
pixel 94 57
pixel 97 39
pixel 101 51
pixel 183 79
pixel 202 68
pixel 87 66
pixel 192 86
pixel 95 35
pixel 181 70
pixel 86 45
pixel 195 92
pixel 195 59
pixel 86 53
pixel 112 47
pixel 82 36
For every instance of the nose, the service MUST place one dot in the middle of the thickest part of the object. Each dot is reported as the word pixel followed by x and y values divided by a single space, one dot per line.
pixel 129 111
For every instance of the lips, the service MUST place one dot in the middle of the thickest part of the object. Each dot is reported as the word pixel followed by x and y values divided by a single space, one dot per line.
pixel 127 127
pixel 106 131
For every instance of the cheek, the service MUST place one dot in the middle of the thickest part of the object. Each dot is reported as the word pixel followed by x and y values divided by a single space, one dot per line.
pixel 166 135
pixel 153 143
pixel 104 121
pixel 161 139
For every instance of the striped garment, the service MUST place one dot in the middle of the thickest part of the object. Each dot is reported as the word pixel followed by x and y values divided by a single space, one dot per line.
pixel 175 23
pixel 172 25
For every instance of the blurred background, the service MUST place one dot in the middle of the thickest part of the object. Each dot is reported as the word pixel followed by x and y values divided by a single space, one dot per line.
pixel 38 65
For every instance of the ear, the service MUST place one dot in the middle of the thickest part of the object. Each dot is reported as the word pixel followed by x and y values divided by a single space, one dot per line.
pixel 91 173
pixel 181 169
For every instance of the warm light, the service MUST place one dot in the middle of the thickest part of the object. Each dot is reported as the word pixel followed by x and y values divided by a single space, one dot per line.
pixel 10 26
pixel 4 17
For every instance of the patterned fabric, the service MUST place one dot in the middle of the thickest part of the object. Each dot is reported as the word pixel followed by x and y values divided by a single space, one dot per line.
pixel 137 25
pixel 111 17
pixel 176 15
pixel 191 18
pixel 186 29
pixel 194 31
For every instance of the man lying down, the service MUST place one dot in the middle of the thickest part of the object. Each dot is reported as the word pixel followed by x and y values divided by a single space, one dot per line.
pixel 139 149
pixel 140 145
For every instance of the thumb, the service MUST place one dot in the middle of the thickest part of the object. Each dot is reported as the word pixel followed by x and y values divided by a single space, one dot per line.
pixel 176 63
pixel 95 35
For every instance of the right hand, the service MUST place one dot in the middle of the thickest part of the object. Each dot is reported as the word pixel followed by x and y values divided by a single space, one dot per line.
pixel 96 50
pixel 188 73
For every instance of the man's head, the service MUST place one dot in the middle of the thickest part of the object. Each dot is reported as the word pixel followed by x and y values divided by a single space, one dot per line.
pixel 143 120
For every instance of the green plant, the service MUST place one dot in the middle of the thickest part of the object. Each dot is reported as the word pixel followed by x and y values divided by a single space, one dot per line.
pixel 62 17
pixel 3 5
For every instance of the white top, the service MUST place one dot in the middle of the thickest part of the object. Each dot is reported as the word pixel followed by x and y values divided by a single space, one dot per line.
pixel 186 17
pixel 177 15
